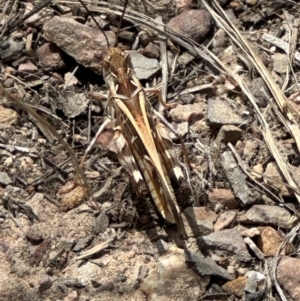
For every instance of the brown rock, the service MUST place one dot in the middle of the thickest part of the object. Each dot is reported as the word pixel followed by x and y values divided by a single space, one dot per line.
pixel 251 2
pixel 55 79
pixel 8 116
pixel 157 285
pixel 34 234
pixel 225 220
pixel 72 199
pixel 280 62
pixel 258 171
pixel 201 128
pixel 190 113
pixel 27 68
pixel 30 73
pixel 59 158
pixel 50 56
pixel 181 128
pixel 251 232
pixel 195 23
pixel 180 4
pixel 83 43
pixel 151 51
pixel 235 287
pixel 288 275
pixel 269 241
pixel 44 283
pixel 72 296
pixel 198 221
pixel 250 148
pixel 229 133
pixel 224 197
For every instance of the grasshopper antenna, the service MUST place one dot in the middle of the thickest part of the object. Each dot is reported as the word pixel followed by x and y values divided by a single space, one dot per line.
pixel 89 12
pixel 122 17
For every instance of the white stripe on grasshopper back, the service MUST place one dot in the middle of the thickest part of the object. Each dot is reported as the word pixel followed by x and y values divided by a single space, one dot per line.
pixel 178 172
pixel 126 157
pixel 157 197
pixel 137 176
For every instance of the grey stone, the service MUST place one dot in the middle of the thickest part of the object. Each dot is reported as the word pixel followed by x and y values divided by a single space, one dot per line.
pixel 44 283
pixel 236 178
pixel 143 67
pixel 4 178
pixel 11 49
pixel 206 266
pixel 268 215
pixel 229 242
pixel 260 91
pixel 74 103
pixel 82 243
pixel 220 113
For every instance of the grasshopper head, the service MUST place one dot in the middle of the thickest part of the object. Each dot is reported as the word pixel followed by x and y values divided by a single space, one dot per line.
pixel 117 69
pixel 116 62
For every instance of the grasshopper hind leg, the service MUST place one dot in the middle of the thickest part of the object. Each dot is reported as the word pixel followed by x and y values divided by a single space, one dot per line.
pixel 140 171
pixel 168 154
pixel 76 182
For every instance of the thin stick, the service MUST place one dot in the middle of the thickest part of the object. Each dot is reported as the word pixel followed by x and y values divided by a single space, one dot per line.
pixel 89 148
pixel 97 24
pixel 164 64
pixel 122 17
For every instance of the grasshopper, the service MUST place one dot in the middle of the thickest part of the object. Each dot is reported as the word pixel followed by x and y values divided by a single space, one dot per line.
pixel 140 139
pixel 143 143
